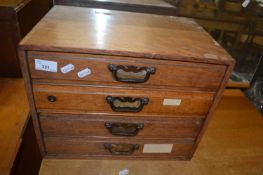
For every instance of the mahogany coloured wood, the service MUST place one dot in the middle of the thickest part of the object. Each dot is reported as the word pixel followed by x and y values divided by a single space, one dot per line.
pixel 191 73
pixel 9 66
pixel 17 18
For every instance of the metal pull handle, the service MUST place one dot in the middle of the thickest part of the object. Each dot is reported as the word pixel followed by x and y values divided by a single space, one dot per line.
pixel 124 129
pixel 127 104
pixel 121 149
pixel 131 74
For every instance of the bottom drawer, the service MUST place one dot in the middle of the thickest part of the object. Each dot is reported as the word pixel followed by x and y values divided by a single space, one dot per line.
pixel 118 148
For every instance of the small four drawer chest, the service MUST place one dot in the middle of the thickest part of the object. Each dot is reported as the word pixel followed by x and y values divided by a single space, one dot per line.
pixel 121 85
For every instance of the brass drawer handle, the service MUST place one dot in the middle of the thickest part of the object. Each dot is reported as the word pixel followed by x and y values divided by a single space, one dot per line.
pixel 121 149
pixel 127 104
pixel 131 74
pixel 124 129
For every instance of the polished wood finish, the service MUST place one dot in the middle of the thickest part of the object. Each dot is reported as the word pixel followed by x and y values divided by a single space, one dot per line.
pixel 22 55
pixel 81 147
pixel 17 18
pixel 232 144
pixel 95 32
pixel 193 75
pixel 143 6
pixel 93 100
pixel 210 20
pixel 94 126
pixel 28 159
pixel 238 85
pixel 189 75
pixel 10 3
pixel 13 120
pixel 19 152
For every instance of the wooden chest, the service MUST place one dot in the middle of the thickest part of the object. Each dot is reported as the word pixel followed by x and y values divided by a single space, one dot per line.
pixel 109 84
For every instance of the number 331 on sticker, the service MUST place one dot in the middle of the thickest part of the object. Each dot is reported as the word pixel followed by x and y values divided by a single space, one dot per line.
pixel 45 65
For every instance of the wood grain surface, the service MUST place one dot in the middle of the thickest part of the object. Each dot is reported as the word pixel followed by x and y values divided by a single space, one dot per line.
pixel 167 74
pixel 11 3
pixel 94 126
pixel 124 33
pixel 176 46
pixel 17 18
pixel 81 147
pixel 74 99
pixel 29 92
pixel 232 144
pixel 14 112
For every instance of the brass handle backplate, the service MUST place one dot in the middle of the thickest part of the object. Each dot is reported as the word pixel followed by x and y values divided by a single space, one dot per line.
pixel 127 104
pixel 121 149
pixel 124 129
pixel 131 74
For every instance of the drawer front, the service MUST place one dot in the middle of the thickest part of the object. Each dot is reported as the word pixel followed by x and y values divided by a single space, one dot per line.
pixel 119 126
pixel 77 99
pixel 81 147
pixel 116 70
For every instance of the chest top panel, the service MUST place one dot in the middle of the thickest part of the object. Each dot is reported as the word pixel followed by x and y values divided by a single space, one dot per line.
pixel 97 31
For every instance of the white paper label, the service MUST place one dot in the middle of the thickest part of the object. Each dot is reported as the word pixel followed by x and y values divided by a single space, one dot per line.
pixel 44 65
pixel 172 102
pixel 84 73
pixel 245 3
pixel 67 68
pixel 124 172
pixel 157 148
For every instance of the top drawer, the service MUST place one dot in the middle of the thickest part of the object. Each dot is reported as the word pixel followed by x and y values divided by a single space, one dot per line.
pixel 123 70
